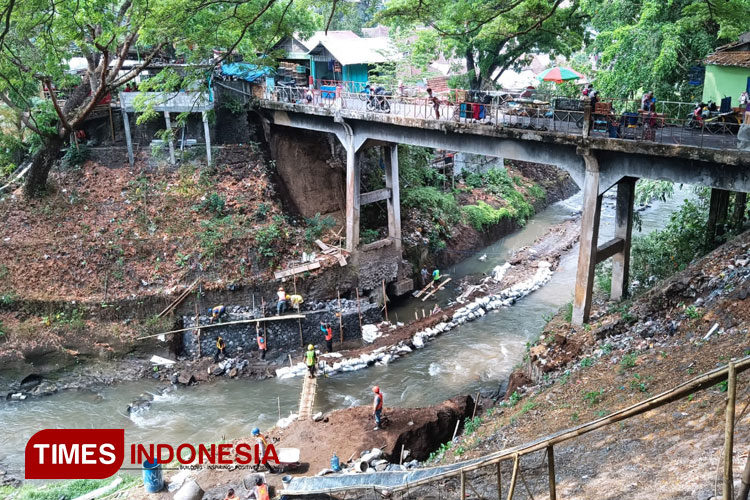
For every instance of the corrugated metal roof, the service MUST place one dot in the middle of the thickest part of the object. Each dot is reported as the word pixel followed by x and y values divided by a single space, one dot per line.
pixel 358 50
pixel 730 58
pixel 319 36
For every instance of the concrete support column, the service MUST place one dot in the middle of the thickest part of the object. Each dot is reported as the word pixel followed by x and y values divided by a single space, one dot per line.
pixel 171 143
pixel 207 135
pixel 717 214
pixel 623 231
pixel 394 202
pixel 740 207
pixel 592 207
pixel 128 139
pixel 352 198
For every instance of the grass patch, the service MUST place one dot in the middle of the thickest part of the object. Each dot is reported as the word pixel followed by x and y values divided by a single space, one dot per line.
pixel 64 489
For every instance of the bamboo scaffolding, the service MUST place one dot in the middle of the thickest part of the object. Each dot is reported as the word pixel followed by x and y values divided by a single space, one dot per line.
pixel 179 299
pixel 728 489
pixel 433 292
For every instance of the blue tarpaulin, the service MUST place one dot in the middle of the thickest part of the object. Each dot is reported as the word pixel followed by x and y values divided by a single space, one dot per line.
pixel 245 71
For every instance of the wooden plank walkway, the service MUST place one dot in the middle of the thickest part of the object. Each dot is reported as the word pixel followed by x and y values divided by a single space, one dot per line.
pixel 307 398
pixel 433 292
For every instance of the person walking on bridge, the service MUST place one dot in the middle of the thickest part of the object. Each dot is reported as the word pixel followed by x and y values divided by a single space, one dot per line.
pixel 311 359
pixel 435 102
pixel 377 406
pixel 436 276
pixel 262 346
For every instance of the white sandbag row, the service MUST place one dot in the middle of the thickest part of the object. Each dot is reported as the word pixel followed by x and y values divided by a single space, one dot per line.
pixel 476 309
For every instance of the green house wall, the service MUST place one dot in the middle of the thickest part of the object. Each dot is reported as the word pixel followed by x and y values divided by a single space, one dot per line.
pixel 723 81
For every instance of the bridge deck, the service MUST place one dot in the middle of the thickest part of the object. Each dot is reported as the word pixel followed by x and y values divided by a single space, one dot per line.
pixel 307 398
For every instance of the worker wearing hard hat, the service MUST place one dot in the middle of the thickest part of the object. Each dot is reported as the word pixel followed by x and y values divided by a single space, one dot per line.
pixel 377 406
pixel 311 359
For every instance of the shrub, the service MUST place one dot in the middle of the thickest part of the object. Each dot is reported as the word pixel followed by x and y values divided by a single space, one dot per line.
pixel 213 203
pixel 75 156
pixel 482 215
pixel 316 226
pixel 266 239
pixel 593 397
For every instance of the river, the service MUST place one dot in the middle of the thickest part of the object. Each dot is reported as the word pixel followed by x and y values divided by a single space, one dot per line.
pixel 480 354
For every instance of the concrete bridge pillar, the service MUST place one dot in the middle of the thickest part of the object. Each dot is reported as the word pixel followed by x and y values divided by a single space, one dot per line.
pixel 717 214
pixel 592 209
pixel 394 201
pixel 623 233
pixel 352 198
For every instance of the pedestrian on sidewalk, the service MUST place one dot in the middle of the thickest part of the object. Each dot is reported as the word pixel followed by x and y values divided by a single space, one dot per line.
pixel 262 346
pixel 220 349
pixel 311 359
pixel 281 303
pixel 329 337
pixel 377 406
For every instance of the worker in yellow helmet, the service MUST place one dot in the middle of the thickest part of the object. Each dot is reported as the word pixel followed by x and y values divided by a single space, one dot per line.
pixel 311 359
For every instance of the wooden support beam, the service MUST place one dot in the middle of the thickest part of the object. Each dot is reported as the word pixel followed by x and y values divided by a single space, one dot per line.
pixel 499 481
pixel 241 322
pixel 374 196
pixel 551 468
pixel 513 478
pixel 609 249
pixel 433 292
pixel 296 270
pixel 463 485
pixel 176 302
pixel 728 489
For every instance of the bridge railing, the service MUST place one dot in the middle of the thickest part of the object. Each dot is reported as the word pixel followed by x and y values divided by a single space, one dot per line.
pixel 671 122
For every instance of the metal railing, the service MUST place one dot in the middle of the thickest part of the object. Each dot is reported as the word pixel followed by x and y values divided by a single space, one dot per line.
pixel 490 465
pixel 671 123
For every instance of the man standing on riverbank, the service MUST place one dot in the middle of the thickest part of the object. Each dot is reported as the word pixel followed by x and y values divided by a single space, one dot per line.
pixel 436 276
pixel 424 274
pixel 329 337
pixel 377 406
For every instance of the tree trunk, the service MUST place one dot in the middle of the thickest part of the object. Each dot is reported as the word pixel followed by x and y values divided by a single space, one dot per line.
pixel 474 81
pixel 36 180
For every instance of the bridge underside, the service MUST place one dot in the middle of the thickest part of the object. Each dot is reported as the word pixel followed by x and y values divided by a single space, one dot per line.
pixel 595 164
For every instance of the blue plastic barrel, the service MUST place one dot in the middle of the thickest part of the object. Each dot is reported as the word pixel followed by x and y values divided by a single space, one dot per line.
pixel 152 477
pixel 335 463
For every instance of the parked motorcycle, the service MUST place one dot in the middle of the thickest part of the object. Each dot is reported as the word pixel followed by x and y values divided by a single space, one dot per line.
pixel 377 100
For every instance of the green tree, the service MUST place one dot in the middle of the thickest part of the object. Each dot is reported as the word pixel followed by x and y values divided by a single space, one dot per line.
pixel 38 38
pixel 492 36
pixel 651 44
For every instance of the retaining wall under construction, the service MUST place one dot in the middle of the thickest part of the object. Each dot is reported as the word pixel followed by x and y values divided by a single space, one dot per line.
pixel 281 334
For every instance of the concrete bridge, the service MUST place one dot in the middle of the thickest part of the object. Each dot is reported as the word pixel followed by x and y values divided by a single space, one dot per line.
pixel 596 162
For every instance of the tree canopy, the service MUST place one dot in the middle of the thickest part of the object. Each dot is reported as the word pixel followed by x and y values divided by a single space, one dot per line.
pixel 492 36
pixel 651 44
pixel 39 37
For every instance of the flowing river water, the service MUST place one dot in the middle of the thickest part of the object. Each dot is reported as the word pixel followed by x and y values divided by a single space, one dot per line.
pixel 479 354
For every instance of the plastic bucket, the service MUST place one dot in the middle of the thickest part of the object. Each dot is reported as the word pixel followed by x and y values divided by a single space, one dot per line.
pixel 153 480
pixel 286 480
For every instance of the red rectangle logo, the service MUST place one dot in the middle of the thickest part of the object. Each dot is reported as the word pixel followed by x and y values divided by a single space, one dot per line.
pixel 75 453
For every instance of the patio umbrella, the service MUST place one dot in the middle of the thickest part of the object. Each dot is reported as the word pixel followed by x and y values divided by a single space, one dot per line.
pixel 559 75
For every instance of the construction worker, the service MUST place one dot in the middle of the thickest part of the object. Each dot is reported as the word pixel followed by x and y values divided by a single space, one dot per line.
pixel 311 359
pixel 262 443
pixel 295 301
pixel 220 349
pixel 216 313
pixel 423 273
pixel 282 303
pixel 231 495
pixel 436 276
pixel 260 492
pixel 262 347
pixel 329 337
pixel 377 406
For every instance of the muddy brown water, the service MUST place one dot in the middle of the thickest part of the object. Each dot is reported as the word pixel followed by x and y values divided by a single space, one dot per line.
pixel 477 355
